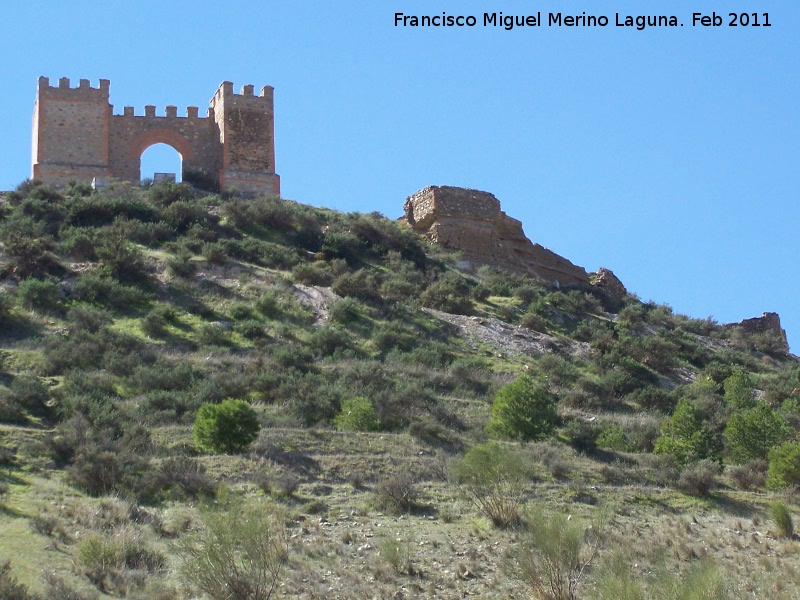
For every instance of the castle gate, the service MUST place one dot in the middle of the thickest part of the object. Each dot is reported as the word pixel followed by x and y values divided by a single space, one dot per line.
pixel 76 136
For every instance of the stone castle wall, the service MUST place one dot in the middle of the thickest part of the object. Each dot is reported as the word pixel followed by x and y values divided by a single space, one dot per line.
pixel 77 136
pixel 471 222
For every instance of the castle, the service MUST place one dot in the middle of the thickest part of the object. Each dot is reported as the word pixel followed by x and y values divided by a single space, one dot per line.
pixel 76 136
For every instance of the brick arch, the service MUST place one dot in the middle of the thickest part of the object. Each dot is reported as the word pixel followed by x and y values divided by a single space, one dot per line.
pixel 161 135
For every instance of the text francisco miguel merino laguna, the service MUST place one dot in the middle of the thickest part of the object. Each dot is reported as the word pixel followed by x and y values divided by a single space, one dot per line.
pixel 508 22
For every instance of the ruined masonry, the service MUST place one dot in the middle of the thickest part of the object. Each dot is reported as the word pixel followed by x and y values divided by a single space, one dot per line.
pixel 471 221
pixel 77 136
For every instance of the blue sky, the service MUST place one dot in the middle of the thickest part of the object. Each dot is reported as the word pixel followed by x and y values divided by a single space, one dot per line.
pixel 669 155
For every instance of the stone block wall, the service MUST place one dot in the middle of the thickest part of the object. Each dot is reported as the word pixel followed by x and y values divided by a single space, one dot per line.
pixel 471 222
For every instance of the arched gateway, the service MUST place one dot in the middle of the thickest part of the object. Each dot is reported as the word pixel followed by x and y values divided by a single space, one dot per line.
pixel 77 136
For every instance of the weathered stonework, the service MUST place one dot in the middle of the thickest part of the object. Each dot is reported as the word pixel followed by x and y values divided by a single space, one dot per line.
pixel 77 136
pixel 769 322
pixel 471 222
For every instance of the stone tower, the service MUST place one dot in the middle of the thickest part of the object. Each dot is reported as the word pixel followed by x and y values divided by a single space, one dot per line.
pixel 76 136
pixel 70 131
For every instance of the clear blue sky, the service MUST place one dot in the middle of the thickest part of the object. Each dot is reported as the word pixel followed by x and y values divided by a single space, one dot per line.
pixel 669 155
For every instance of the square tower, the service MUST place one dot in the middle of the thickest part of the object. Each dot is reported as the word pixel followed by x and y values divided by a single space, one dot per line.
pixel 247 134
pixel 70 131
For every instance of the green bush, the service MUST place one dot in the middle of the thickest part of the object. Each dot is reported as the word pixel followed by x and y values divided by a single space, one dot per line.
pixel 449 294
pixel 494 480
pixel 238 553
pixel 783 519
pixel 554 553
pixel 686 435
pixel 739 390
pixel 523 409
pixel 228 427
pixel 752 432
pixel 784 465
pixel 357 414
pixel 35 294
pixel 11 588
pixel 105 291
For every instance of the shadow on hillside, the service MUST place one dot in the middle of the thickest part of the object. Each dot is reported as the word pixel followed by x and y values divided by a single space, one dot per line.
pixel 734 507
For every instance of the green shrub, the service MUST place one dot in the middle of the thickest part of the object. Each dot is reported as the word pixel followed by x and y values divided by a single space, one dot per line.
pixel 238 553
pixel 554 553
pixel 357 414
pixel 784 465
pixel 686 435
pixel 362 284
pixel 449 294
pixel 523 409
pixel 739 390
pixel 494 480
pixel 229 427
pixel 98 289
pixel 214 334
pixel 182 265
pixel 11 588
pixel 120 259
pixel 35 294
pixel 397 553
pixel 752 432
pixel 345 311
pixel 325 341
pixel 583 435
pixel 783 519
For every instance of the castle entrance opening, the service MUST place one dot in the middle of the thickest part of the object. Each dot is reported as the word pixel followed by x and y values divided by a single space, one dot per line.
pixel 161 162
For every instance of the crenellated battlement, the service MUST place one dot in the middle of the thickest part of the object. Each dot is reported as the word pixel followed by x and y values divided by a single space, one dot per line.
pixel 76 135
pixel 170 112
pixel 226 89
pixel 64 84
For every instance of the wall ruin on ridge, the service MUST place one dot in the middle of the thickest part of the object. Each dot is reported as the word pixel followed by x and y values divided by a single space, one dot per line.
pixel 471 222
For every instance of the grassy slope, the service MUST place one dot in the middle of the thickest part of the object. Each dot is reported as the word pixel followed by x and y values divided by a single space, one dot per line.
pixel 237 324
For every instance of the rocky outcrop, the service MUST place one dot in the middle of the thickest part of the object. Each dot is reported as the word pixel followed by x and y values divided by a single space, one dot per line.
pixel 611 289
pixel 769 322
pixel 471 222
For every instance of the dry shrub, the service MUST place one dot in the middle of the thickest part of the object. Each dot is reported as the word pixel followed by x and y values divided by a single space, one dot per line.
pixel 751 475
pixel 397 494
pixel 698 478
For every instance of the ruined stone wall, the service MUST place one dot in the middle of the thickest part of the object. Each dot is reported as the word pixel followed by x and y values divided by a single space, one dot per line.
pixel 471 221
pixel 76 136
pixel 769 322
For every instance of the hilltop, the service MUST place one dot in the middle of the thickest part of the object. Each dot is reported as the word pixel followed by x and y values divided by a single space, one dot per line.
pixel 371 359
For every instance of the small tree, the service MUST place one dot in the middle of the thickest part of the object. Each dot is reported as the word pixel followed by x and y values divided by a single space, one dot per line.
pixel 228 427
pixel 739 390
pixel 494 480
pixel 686 435
pixel 751 433
pixel 784 465
pixel 357 414
pixel 523 409
pixel 238 554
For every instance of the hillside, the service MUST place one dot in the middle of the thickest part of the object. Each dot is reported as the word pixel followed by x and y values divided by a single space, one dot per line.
pixel 371 363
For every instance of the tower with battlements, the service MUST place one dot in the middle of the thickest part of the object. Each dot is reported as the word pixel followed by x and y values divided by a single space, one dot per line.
pixel 76 136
